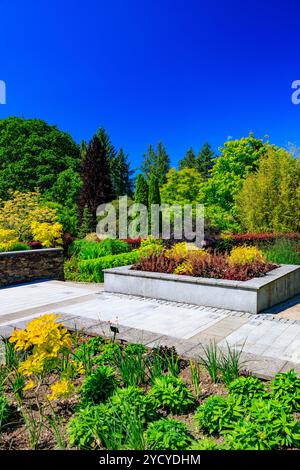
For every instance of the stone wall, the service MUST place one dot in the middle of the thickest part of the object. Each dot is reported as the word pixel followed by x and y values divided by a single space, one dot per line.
pixel 24 266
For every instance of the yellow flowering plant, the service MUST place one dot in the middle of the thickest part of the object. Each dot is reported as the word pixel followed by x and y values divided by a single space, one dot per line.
pixel 245 255
pixel 45 339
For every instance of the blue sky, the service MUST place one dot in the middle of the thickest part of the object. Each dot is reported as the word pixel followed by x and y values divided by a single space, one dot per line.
pixel 178 71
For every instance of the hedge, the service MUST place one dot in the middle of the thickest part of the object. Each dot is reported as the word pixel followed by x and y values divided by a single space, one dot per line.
pixel 227 242
pixel 92 269
pixel 86 250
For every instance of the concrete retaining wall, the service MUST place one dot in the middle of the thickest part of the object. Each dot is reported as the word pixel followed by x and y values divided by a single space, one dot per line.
pixel 251 296
pixel 24 266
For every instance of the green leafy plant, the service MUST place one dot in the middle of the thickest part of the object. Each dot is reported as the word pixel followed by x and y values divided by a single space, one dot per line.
pixel 266 427
pixel 133 349
pixel 286 389
pixel 172 394
pixel 109 351
pixel 85 427
pixel 218 413
pixel 248 388
pixel 99 385
pixel 168 434
pixel 206 443
pixel 137 404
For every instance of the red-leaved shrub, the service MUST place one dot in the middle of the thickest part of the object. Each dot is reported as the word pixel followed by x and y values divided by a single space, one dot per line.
pixel 209 266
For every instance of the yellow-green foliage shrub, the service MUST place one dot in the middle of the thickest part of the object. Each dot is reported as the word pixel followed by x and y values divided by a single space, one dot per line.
pixel 8 239
pixel 19 212
pixel 244 255
pixel 48 234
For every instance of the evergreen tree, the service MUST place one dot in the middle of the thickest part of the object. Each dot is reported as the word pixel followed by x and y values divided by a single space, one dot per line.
pixel 154 194
pixel 121 174
pixel 86 225
pixel 149 161
pixel 204 160
pixel 156 161
pixel 189 160
pixel 97 186
pixel 141 190
pixel 163 163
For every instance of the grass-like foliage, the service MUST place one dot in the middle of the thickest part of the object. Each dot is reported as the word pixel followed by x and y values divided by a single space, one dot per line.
pixel 168 434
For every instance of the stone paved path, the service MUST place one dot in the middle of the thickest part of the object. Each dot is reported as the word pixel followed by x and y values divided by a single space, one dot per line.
pixel 270 342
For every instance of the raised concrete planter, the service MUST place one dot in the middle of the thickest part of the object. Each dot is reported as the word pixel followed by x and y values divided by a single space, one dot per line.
pixel 252 296
pixel 30 265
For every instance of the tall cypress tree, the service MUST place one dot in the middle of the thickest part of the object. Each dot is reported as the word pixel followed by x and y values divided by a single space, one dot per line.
pixel 154 194
pixel 204 160
pixel 189 160
pixel 121 174
pixel 97 186
pixel 141 190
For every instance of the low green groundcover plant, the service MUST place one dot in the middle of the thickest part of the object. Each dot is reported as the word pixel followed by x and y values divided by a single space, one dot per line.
pixel 172 394
pixel 168 434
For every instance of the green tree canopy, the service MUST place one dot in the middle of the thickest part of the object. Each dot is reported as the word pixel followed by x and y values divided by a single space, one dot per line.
pixel 270 198
pixel 182 187
pixel 238 159
pixel 33 154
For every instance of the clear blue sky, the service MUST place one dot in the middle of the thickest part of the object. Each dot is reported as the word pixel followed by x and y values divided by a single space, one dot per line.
pixel 178 71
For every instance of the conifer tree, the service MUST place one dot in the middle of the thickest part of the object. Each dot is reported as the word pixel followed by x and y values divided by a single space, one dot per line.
pixel 97 186
pixel 189 160
pixel 86 225
pixel 154 194
pixel 141 190
pixel 121 174
pixel 204 160
pixel 156 161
